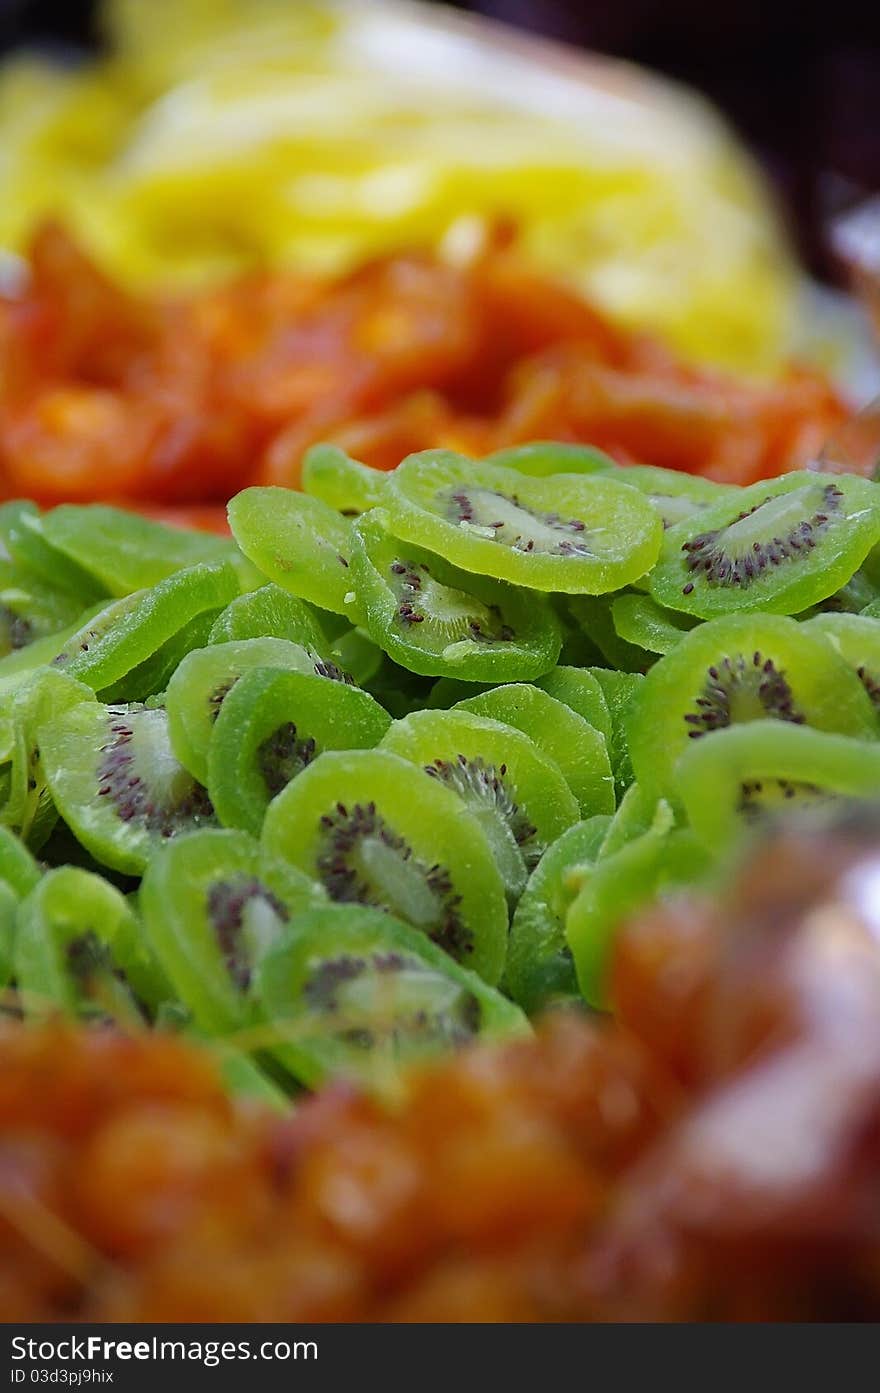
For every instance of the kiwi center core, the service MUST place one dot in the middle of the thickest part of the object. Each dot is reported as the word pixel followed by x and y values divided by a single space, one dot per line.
pixel 497 517
pixel 453 615
pixel 363 860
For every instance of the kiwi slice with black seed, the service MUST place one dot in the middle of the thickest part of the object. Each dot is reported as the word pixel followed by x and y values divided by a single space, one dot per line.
pixel 739 669
pixel 571 533
pixel 270 726
pixel 748 774
pixel 354 992
pixel 653 866
pixel 115 780
pixel 375 830
pixel 540 967
pixel 30 609
pixel 541 458
pixel 856 637
pixel 518 794
pixel 269 612
pixel 129 631
pixel 79 949
pixel 214 902
pixel 204 679
pixel 151 677
pixel 298 542
pixel 22 539
pixel 777 546
pixel 641 623
pixel 440 621
pixel 343 483
pixel 123 551
pixel 576 747
pixel 676 495
pixel 355 653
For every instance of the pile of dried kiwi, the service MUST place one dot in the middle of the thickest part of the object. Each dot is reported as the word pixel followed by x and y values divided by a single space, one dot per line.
pixel 386 771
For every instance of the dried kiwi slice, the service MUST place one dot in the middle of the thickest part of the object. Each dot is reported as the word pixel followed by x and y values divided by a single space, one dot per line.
pixel 375 830
pixel 21 537
pixel 80 949
pixel 269 612
pixel 639 812
pixel 202 682
pixel 30 609
pixel 18 869
pixel 730 671
pixel 619 690
pixel 640 621
pixel 751 772
pixel 298 542
pixel 594 615
pixel 25 803
pixel 541 458
pixel 354 992
pixel 214 902
pixel 517 794
pixel 580 690
pixel 576 747
pixel 123 551
pixel 117 784
pixel 650 867
pixel 857 639
pixel 439 621
pixel 778 546
pixel 573 533
pixel 675 495
pixel 341 482
pixel 271 725
pixel 129 631
pixel 540 968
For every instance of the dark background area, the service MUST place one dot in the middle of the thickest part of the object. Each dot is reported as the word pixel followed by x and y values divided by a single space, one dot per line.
pixel 801 84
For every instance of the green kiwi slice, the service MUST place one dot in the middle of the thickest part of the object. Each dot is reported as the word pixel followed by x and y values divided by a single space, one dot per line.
pixel 355 652
pixel 270 726
pixel 354 992
pixel 18 868
pixel 639 812
pixel 650 867
pixel 439 621
pixel 542 458
pixel 214 902
pixel 577 748
pixel 375 830
pixel 115 780
pixel 298 542
pixel 571 533
pixel 516 792
pixel 124 552
pixel 676 495
pixel 856 637
pixel 341 482
pixel 594 614
pixel 30 609
pixel 25 804
pixel 580 690
pixel 8 931
pixel 151 677
pixel 619 690
pixel 269 612
pixel 780 546
pixel 21 537
pixel 204 679
pixel 739 669
pixel 640 622
pixel 766 768
pixel 540 967
pixel 80 949
pixel 129 631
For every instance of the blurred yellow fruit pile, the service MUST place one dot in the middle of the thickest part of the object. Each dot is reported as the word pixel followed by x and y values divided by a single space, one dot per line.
pixel 219 134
